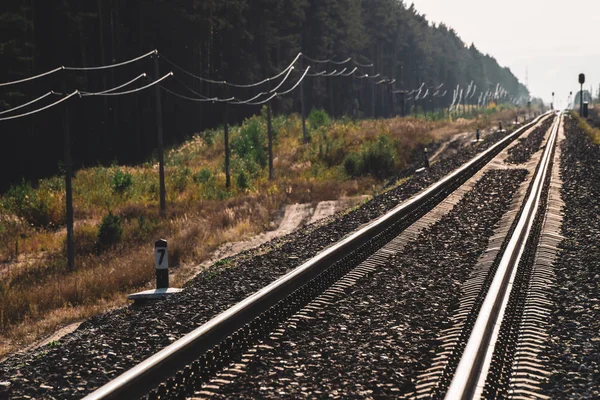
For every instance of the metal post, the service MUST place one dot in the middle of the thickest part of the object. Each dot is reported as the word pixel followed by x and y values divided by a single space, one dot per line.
pixel 270 136
pixel 302 110
pixel 581 100
pixel 227 150
pixel 69 189
pixel 159 131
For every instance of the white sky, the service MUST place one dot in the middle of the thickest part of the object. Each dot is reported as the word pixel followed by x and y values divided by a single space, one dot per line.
pixel 555 40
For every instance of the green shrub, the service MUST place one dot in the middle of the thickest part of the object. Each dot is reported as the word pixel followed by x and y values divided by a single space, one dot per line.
pixel 110 230
pixel 40 208
pixel 331 151
pixel 353 164
pixel 318 118
pixel 121 181
pixel 250 144
pixel 208 137
pixel 203 176
pixel 179 178
pixel 242 180
pixel 379 158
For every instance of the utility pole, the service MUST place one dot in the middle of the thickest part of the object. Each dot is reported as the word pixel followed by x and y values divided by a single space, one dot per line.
pixel 302 110
pixel 69 188
pixel 227 151
pixel 159 132
pixel 270 137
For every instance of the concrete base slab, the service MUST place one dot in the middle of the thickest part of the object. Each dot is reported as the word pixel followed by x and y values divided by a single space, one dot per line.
pixel 153 294
pixel 476 141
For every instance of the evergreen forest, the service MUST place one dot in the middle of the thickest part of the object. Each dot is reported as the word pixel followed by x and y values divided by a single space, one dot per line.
pixel 241 41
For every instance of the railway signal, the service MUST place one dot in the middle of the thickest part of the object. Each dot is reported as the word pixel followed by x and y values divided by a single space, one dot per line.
pixel 581 82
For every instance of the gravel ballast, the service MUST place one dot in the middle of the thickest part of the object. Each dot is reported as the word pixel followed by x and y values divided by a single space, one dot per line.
pixel 107 345
pixel 525 148
pixel 375 341
pixel 574 343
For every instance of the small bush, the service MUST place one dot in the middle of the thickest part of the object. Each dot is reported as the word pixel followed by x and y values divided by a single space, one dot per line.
pixel 39 207
pixel 250 145
pixel 121 181
pixel 331 151
pixel 318 118
pixel 179 178
pixel 110 231
pixel 208 137
pixel 85 239
pixel 353 164
pixel 242 180
pixel 203 176
pixel 379 158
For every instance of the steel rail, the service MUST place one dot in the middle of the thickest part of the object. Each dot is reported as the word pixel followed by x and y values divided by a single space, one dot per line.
pixel 145 376
pixel 470 376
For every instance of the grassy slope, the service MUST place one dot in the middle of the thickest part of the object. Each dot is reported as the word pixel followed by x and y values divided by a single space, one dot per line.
pixel 38 294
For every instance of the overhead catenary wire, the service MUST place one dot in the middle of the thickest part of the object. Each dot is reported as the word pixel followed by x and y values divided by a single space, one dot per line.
pixel 61 68
pixel 153 52
pixel 31 78
pixel 250 85
pixel 198 100
pixel 117 87
pixel 40 109
pixel 10 110
pixel 276 88
pixel 281 93
pixel 104 93
pixel 234 101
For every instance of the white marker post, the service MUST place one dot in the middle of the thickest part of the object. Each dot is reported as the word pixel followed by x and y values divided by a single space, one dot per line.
pixel 161 257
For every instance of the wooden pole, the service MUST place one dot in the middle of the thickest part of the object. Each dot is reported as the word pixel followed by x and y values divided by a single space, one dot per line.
pixel 69 189
pixel 159 132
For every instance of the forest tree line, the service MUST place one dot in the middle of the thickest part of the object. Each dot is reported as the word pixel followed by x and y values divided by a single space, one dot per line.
pixel 239 41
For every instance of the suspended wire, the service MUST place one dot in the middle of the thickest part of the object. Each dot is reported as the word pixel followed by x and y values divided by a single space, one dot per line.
pixel 32 77
pixel 282 93
pixel 331 61
pixel 40 109
pixel 297 83
pixel 327 61
pixel 118 87
pixel 129 91
pixel 259 103
pixel 212 100
pixel 351 72
pixel 235 101
pixel 240 102
pixel 112 65
pixel 27 104
pixel 341 72
pixel 232 84
pixel 362 65
pixel 78 69
pixel 192 90
pixel 283 81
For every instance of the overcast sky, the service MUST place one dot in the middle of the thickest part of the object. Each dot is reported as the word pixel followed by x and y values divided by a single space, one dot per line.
pixel 554 40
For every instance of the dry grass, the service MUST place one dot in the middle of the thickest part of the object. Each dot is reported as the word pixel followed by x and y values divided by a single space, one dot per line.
pixel 591 126
pixel 37 292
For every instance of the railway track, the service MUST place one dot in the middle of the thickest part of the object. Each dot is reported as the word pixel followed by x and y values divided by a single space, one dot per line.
pixel 190 363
